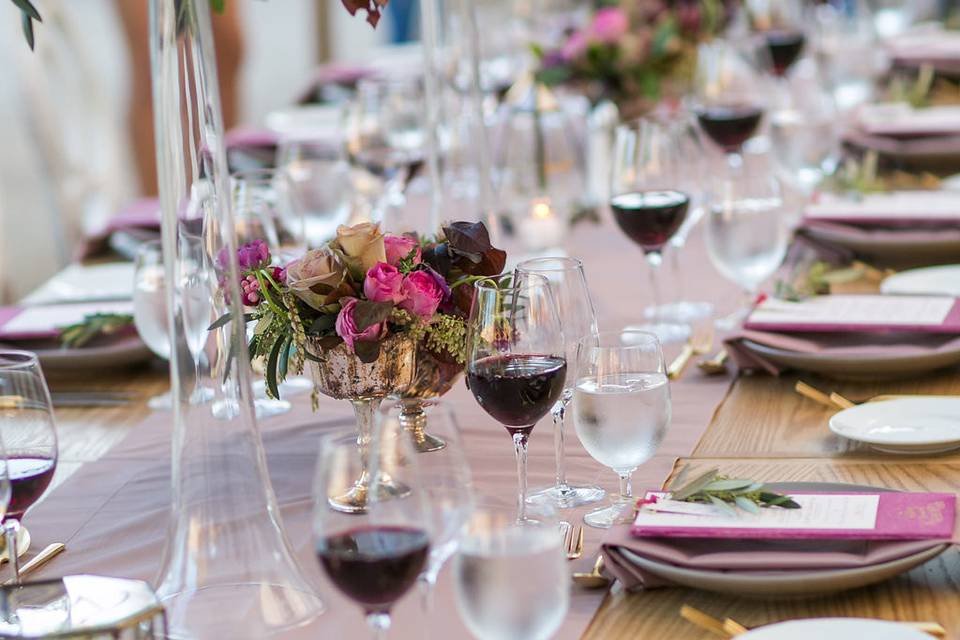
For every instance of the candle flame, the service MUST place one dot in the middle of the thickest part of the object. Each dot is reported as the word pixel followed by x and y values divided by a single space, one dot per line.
pixel 542 210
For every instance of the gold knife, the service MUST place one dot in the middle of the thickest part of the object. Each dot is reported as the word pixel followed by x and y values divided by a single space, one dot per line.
pixel 49 552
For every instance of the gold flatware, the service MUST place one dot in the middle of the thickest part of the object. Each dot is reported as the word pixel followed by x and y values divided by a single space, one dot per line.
pixel 700 619
pixel 699 343
pixel 715 365
pixel 733 627
pixel 840 401
pixel 23 545
pixel 50 552
pixel 574 543
pixel 812 393
pixel 835 400
pixel 595 579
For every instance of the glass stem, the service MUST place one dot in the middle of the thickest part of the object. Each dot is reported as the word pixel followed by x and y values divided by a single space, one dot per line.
pixel 427 582
pixel 559 431
pixel 655 259
pixel 520 444
pixel 677 284
pixel 364 411
pixel 379 622
pixel 626 491
pixel 11 527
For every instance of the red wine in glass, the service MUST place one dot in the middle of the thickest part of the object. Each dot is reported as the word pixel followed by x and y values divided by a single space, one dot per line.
pixel 374 566
pixel 730 125
pixel 29 478
pixel 517 390
pixel 650 218
pixel 785 48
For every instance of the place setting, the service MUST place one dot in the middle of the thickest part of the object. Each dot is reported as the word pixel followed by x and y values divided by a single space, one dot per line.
pixel 491 320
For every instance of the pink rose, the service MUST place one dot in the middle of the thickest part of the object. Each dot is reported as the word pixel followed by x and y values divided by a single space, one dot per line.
pixel 399 247
pixel 383 284
pixel 346 326
pixel 609 25
pixel 574 47
pixel 422 294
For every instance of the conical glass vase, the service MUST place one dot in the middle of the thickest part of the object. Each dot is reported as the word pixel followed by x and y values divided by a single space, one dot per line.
pixel 228 570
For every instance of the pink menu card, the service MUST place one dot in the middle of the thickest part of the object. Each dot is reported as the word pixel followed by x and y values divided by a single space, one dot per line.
pixel 858 313
pixel 45 321
pixel 823 515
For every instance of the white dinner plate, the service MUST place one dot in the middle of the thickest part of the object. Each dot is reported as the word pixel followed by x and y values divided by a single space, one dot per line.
pixel 858 366
pixel 834 629
pixel 788 584
pixel 903 425
pixel 111 281
pixel 944 280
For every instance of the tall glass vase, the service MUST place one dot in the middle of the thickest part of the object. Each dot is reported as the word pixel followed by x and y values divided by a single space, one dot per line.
pixel 228 570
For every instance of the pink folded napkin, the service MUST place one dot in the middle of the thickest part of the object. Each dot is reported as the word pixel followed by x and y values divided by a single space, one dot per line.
pixel 882 245
pixel 43 322
pixel 746 555
pixel 837 345
pixel 138 216
pixel 332 74
pixel 245 137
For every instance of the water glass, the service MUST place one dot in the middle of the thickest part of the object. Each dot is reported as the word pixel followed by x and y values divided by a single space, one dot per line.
pixel 621 410
pixel 150 308
pixel 27 429
pixel 747 233
pixel 579 319
pixel 318 178
pixel 262 210
pixel 511 580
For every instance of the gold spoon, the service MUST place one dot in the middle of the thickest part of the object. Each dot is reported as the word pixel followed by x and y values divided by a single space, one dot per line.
pixel 49 552
pixel 595 579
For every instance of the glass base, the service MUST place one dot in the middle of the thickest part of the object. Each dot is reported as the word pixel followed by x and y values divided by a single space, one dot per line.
pixel 356 498
pixel 606 517
pixel 265 407
pixel 567 497
pixel 164 401
pixel 682 312
pixel 666 332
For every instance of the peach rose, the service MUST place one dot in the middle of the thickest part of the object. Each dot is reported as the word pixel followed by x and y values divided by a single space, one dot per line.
pixel 362 244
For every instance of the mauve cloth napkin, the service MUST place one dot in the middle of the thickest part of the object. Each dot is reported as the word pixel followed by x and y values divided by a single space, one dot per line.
pixel 926 147
pixel 845 345
pixel 918 245
pixel 746 555
pixel 140 214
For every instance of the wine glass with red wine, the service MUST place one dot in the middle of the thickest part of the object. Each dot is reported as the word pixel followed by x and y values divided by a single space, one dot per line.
pixel 652 183
pixel 30 436
pixel 373 557
pixel 729 96
pixel 516 364
pixel 779 27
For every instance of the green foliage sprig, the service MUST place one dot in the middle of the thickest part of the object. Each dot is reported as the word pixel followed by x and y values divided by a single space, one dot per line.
pixel 728 493
pixel 93 325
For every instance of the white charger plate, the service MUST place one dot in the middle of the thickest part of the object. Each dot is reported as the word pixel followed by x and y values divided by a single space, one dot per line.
pixel 834 629
pixel 789 584
pixel 943 280
pixel 903 425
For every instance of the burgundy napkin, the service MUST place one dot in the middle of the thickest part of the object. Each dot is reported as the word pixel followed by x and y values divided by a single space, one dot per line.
pixel 883 245
pixel 342 75
pixel 140 215
pixel 934 148
pixel 846 345
pixel 746 555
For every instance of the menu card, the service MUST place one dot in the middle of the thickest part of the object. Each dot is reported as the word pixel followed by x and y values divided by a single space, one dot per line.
pixel 894 208
pixel 25 323
pixel 900 119
pixel 858 313
pixel 822 515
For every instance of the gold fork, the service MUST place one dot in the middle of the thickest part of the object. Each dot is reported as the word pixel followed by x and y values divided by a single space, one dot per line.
pixel 700 342
pixel 715 365
pixel 574 542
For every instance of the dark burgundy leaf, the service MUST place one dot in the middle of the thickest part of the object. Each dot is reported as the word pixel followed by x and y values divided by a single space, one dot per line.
pixel 368 352
pixel 468 237
pixel 372 7
pixel 367 313
pixel 491 263
pixel 438 257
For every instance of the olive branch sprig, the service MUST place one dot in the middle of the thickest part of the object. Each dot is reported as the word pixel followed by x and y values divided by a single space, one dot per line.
pixel 727 493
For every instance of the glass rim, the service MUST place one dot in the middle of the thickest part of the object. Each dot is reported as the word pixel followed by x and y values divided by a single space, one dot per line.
pixel 26 359
pixel 263 174
pixel 488 283
pixel 573 264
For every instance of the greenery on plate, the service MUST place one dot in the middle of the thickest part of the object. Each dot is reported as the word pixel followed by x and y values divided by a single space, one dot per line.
pixel 78 335
pixel 729 493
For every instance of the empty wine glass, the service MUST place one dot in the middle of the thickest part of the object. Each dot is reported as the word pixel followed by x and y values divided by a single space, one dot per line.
pixel 579 319
pixel 30 436
pixel 650 196
pixel 318 177
pixel 511 580
pixel 729 97
pixel 516 364
pixel 372 557
pixel 621 410
pixel 150 308
pixel 195 289
pixel 747 233
pixel 447 484
pixel 263 210
pixel 385 129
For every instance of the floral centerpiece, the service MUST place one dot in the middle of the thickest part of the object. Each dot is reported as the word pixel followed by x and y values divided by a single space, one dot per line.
pixel 635 52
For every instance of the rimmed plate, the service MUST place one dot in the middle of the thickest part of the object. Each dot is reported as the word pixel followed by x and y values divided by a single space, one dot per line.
pixel 903 425
pixel 789 584
pixel 893 247
pixel 117 352
pixel 835 629
pixel 859 366
pixel 943 280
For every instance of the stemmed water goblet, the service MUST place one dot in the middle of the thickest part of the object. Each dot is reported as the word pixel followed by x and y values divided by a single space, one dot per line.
pixel 511 580
pixel 447 485
pixel 729 97
pixel 621 410
pixel 579 319
pixel 516 364
pixel 747 233
pixel 30 437
pixel 374 556
pixel 650 195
